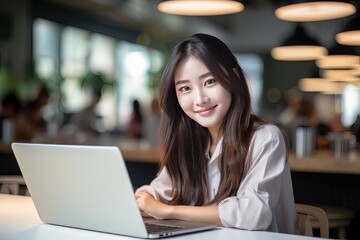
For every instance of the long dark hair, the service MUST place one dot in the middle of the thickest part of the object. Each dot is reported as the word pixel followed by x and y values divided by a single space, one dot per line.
pixel 183 142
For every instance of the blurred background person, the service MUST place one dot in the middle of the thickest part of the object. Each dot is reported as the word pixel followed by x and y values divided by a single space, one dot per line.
pixel 86 120
pixel 39 101
pixel 29 122
pixel 134 128
pixel 10 106
pixel 300 112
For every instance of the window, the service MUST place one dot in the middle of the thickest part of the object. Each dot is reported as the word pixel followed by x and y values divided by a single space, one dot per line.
pixel 45 65
pixel 76 54
pixel 253 67
pixel 74 51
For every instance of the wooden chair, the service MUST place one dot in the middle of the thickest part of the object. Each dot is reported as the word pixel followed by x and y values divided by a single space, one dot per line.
pixel 339 218
pixel 306 214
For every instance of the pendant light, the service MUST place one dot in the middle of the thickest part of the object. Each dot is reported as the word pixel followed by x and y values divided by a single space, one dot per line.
pixel 312 10
pixel 351 33
pixel 200 7
pixel 340 57
pixel 342 75
pixel 299 47
pixel 321 85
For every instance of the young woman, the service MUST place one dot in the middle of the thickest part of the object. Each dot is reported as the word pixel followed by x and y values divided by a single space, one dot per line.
pixel 219 162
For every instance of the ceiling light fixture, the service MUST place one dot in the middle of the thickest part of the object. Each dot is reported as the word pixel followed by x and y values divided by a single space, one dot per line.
pixel 311 10
pixel 337 61
pixel 340 57
pixel 348 75
pixel 351 33
pixel 299 47
pixel 200 7
pixel 322 85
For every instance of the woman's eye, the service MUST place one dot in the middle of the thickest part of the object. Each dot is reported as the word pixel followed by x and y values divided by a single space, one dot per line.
pixel 184 89
pixel 210 82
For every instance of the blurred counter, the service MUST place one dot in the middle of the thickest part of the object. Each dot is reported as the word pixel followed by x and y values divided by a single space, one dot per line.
pixel 319 162
pixel 130 153
pixel 141 161
pixel 325 162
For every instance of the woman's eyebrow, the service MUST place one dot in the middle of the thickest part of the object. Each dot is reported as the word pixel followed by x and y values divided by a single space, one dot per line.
pixel 204 75
pixel 181 82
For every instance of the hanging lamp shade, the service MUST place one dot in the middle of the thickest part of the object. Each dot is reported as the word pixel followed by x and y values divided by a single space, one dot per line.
pixel 351 33
pixel 312 10
pixel 340 57
pixel 322 85
pixel 200 7
pixel 299 47
pixel 342 75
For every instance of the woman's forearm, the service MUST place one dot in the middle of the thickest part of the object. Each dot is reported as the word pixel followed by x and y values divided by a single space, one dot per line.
pixel 156 209
pixel 208 214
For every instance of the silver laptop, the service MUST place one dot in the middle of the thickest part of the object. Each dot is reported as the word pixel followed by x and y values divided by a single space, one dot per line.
pixel 88 187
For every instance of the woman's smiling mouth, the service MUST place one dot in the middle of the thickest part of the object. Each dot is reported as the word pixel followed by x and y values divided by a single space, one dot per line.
pixel 206 111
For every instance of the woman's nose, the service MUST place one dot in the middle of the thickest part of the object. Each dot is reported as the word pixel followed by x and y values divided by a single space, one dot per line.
pixel 201 98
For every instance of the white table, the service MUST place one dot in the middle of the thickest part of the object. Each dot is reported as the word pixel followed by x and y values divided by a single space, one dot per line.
pixel 20 221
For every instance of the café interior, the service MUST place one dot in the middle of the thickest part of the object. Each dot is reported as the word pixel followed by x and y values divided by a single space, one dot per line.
pixel 84 68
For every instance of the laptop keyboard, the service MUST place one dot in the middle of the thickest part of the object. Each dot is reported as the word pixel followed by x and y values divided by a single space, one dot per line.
pixel 154 228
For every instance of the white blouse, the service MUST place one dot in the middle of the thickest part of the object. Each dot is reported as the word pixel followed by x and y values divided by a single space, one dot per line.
pixel 264 200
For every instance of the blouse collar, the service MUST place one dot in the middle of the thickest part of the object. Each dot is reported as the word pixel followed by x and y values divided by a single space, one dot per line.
pixel 217 151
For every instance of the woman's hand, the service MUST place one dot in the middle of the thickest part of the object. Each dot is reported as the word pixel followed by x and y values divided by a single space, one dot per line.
pixel 149 206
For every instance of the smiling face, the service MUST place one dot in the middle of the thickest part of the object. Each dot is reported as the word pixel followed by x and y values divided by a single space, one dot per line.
pixel 200 95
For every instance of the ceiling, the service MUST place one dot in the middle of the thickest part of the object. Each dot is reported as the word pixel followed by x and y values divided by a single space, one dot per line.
pixel 256 29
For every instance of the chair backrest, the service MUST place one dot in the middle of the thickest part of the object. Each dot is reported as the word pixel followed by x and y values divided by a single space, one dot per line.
pixel 304 215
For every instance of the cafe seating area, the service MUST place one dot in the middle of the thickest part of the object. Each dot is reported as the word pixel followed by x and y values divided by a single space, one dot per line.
pixel 319 180
pixel 87 72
